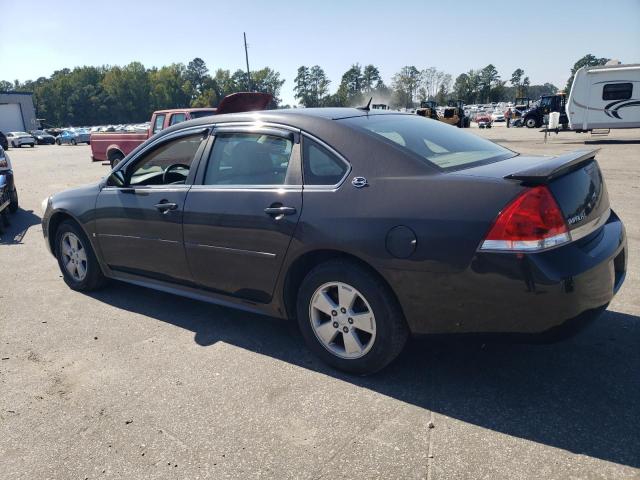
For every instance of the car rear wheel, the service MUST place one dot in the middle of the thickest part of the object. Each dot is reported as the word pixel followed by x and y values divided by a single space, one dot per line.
pixel 77 261
pixel 32 145
pixel 349 318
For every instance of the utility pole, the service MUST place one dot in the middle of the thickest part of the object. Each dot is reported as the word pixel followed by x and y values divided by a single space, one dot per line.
pixel 246 56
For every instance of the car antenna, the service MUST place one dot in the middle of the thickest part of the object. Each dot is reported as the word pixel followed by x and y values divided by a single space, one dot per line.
pixel 367 107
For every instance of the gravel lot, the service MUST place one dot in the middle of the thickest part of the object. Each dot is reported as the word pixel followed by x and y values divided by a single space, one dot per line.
pixel 135 384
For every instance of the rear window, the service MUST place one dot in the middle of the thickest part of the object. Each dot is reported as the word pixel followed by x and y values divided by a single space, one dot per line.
pixel 434 142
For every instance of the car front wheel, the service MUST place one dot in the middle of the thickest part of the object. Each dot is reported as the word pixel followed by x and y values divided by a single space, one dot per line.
pixel 349 317
pixel 76 258
pixel 13 206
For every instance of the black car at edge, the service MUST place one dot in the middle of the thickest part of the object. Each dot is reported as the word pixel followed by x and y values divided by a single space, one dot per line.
pixel 365 226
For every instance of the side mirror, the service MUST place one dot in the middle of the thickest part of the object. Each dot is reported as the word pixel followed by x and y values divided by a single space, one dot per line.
pixel 115 179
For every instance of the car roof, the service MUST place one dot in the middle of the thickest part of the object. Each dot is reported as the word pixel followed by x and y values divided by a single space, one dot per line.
pixel 320 123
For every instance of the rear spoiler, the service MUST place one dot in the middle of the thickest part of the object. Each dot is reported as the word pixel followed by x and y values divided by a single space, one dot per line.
pixel 243 102
pixel 547 170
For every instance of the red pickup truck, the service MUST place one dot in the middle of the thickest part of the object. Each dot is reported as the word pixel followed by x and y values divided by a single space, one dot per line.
pixel 114 146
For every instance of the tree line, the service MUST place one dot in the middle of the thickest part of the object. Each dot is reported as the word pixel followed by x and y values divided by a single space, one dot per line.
pixel 125 94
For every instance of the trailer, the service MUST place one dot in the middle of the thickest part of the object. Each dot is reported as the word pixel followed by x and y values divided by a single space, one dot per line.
pixel 605 97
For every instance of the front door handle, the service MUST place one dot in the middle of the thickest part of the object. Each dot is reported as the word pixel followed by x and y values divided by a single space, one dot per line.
pixel 165 206
pixel 280 211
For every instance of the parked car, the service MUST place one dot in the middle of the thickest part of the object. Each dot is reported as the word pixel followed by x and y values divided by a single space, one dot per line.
pixel 73 137
pixel 483 120
pixel 43 138
pixel 363 226
pixel 497 116
pixel 18 139
pixel 113 147
pixel 8 192
pixel 4 143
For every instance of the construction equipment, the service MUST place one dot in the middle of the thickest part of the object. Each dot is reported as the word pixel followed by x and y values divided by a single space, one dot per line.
pixel 452 114
pixel 428 109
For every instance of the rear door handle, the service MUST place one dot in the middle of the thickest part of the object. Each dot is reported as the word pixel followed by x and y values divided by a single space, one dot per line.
pixel 280 211
pixel 165 206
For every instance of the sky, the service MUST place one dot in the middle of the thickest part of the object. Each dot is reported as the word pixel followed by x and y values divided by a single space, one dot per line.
pixel 543 37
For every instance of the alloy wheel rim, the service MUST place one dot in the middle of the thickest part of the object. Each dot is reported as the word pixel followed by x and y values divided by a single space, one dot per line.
pixel 74 256
pixel 342 320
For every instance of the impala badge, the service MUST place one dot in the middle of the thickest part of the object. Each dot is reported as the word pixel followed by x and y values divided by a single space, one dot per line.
pixel 359 182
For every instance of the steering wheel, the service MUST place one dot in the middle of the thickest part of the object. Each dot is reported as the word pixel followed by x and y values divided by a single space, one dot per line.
pixel 171 167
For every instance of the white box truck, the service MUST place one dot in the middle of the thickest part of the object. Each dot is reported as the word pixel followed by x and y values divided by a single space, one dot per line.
pixel 605 97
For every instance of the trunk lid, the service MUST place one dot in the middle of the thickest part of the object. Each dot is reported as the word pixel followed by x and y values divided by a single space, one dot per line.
pixel 574 179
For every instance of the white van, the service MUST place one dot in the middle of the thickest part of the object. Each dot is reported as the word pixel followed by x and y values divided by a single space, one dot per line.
pixel 605 97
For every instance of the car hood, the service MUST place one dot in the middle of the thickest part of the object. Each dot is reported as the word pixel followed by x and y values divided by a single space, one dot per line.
pixel 74 195
pixel 243 102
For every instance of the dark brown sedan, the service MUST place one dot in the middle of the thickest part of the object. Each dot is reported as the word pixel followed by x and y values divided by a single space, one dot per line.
pixel 364 226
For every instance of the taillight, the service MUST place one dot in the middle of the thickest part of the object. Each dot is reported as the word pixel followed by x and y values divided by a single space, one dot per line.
pixel 533 221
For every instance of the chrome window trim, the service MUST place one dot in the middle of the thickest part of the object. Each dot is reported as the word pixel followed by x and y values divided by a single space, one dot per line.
pixel 247 188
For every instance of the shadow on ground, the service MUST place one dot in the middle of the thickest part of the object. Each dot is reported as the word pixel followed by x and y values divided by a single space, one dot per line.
pixel 580 395
pixel 612 141
pixel 21 221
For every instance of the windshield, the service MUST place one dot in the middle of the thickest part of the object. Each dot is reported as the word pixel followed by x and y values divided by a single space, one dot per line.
pixel 202 113
pixel 434 142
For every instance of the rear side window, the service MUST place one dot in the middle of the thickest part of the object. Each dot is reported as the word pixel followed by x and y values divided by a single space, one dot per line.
pixel 434 142
pixel 321 167
pixel 177 118
pixel 617 91
pixel 248 159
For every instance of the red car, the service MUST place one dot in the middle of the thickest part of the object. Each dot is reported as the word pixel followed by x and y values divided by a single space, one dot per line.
pixel 114 146
pixel 484 120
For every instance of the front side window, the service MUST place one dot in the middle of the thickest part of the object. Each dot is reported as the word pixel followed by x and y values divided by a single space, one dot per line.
pixel 321 167
pixel 177 118
pixel 248 159
pixel 168 164
pixel 433 142
pixel 617 91
pixel 159 123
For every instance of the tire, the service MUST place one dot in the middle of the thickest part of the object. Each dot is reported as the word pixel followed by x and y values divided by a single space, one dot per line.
pixel 32 145
pixel 115 159
pixel 93 277
pixel 58 141
pixel 531 122
pixel 13 206
pixel 73 142
pixel 373 301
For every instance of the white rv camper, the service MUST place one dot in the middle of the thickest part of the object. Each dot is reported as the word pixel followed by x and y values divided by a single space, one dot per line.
pixel 605 97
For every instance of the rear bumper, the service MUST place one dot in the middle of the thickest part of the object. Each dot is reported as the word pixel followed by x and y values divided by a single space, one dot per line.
pixel 517 293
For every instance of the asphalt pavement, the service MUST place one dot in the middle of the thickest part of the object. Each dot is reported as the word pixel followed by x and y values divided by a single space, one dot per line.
pixel 136 384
